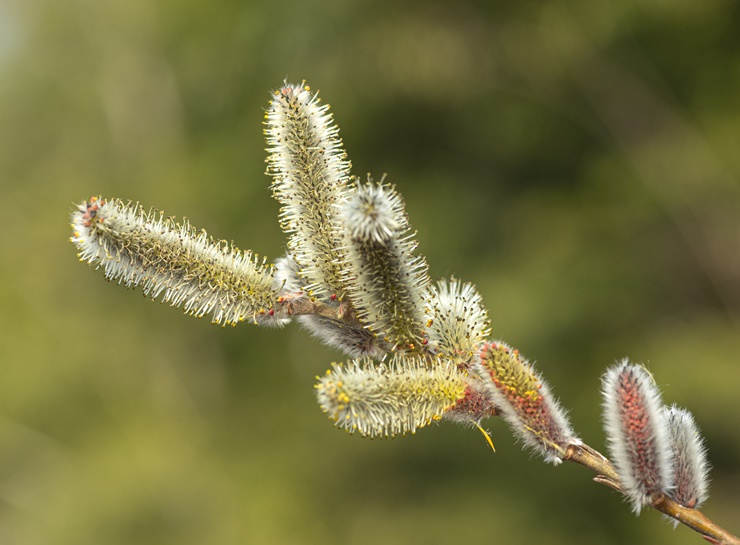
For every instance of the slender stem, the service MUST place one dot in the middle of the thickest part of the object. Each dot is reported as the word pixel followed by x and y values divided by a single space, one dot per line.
pixel 606 474
pixel 591 458
pixel 300 304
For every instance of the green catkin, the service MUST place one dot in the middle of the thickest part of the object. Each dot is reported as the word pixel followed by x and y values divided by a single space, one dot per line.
pixel 310 174
pixel 387 283
pixel 390 399
pixel 177 263
pixel 458 321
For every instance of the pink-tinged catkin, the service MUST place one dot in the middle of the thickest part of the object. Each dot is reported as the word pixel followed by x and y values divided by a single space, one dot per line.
pixel 475 405
pixel 525 401
pixel 637 433
pixel 690 465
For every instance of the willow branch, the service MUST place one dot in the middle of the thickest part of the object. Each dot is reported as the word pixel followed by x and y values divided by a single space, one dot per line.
pixel 606 474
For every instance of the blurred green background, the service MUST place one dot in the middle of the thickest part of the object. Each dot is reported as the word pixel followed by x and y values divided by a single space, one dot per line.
pixel 578 161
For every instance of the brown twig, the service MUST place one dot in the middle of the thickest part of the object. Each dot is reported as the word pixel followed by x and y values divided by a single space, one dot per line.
pixel 606 474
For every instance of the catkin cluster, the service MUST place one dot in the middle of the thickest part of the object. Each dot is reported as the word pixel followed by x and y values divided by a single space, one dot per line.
pixel 419 351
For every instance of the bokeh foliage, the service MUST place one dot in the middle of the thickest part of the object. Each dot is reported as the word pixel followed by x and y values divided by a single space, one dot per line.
pixel 578 161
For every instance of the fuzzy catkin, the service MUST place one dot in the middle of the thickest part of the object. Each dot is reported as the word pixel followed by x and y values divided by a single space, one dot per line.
pixel 387 283
pixel 310 174
pixel 389 399
pixel 524 400
pixel 458 321
pixel 184 267
pixel 637 433
pixel 690 465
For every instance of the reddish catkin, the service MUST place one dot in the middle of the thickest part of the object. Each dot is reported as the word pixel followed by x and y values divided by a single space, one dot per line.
pixel 690 465
pixel 525 401
pixel 637 433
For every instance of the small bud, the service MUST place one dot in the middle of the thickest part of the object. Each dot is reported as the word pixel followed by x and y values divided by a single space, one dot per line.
pixel 690 465
pixel 637 433
pixel 389 399
pixel 459 321
pixel 310 177
pixel 525 402
pixel 386 283
pixel 186 267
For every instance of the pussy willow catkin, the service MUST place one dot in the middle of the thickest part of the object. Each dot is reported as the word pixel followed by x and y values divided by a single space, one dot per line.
pixel 184 267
